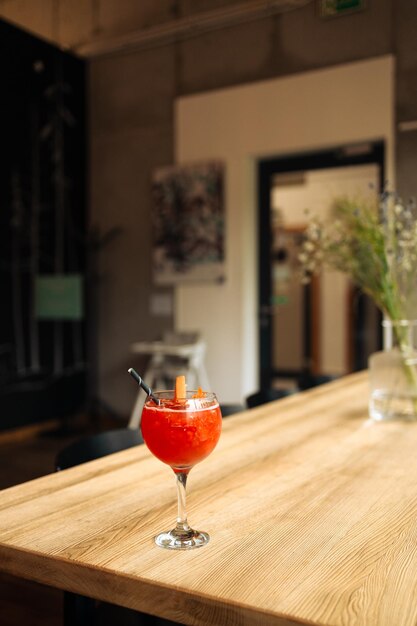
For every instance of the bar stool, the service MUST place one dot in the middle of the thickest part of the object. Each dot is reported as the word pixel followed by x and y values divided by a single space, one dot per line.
pixel 175 354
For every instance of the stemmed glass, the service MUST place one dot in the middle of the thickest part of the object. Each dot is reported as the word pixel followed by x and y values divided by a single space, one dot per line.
pixel 181 432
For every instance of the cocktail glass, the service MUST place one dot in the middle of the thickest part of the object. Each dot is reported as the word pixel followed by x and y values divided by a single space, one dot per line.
pixel 181 433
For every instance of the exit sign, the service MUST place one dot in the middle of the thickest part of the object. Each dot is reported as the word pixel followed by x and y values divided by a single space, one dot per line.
pixel 340 7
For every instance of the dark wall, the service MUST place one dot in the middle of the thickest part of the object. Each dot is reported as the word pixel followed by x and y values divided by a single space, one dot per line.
pixel 42 225
pixel 293 41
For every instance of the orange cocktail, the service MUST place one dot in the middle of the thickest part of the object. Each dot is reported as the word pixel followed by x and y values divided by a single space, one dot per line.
pixel 181 433
pixel 181 428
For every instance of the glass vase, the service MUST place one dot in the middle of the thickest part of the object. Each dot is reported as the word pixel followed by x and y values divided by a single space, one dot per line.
pixel 393 373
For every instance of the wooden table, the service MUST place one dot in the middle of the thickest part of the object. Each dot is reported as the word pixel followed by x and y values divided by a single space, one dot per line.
pixel 311 509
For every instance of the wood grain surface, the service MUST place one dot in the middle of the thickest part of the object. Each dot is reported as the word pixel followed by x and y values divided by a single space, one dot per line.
pixel 311 510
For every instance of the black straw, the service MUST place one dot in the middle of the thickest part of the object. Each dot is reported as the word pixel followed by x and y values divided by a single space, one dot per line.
pixel 142 384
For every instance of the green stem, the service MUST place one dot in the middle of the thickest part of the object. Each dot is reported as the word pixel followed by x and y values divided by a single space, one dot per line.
pixel 406 348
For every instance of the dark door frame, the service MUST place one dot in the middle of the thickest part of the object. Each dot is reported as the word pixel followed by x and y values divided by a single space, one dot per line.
pixel 340 156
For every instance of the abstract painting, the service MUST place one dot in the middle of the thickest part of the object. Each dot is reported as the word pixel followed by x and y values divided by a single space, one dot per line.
pixel 188 223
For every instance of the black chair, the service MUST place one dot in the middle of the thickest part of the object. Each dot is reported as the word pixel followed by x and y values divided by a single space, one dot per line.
pixel 95 446
pixel 267 395
pixel 307 380
pixel 230 409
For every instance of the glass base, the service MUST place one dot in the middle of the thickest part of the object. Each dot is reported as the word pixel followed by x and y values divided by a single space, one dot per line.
pixel 182 540
pixel 393 384
pixel 385 406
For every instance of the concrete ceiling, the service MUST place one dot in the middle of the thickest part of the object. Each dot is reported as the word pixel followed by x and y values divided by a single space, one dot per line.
pixel 94 28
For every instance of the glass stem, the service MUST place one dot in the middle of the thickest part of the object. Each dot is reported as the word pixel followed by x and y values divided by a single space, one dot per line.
pixel 182 524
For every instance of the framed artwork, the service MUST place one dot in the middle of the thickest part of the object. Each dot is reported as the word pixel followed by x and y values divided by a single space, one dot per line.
pixel 188 223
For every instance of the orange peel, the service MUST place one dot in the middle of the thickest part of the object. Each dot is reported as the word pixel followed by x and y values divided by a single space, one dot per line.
pixel 180 388
pixel 200 393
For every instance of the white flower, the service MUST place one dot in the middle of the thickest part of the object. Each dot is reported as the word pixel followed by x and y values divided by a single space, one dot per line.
pixel 308 246
pixel 376 246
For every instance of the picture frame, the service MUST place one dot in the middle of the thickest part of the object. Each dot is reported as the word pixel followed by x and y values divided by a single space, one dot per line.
pixel 188 220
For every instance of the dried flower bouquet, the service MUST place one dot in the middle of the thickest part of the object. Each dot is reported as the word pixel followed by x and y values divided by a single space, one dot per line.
pixel 375 244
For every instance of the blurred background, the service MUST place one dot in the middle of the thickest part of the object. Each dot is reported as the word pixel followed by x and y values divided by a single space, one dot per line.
pixel 300 101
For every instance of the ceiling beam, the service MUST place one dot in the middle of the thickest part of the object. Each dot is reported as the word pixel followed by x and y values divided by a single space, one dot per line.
pixel 186 27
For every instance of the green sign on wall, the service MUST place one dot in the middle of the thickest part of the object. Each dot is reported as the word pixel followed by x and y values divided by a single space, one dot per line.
pixel 339 7
pixel 59 297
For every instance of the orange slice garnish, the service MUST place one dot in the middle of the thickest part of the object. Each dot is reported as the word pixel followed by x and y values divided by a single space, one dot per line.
pixel 180 388
pixel 200 393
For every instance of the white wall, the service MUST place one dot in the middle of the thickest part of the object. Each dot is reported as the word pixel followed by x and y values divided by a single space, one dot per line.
pixel 341 105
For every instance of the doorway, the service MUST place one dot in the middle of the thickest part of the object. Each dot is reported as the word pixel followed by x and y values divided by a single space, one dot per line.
pixel 327 328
